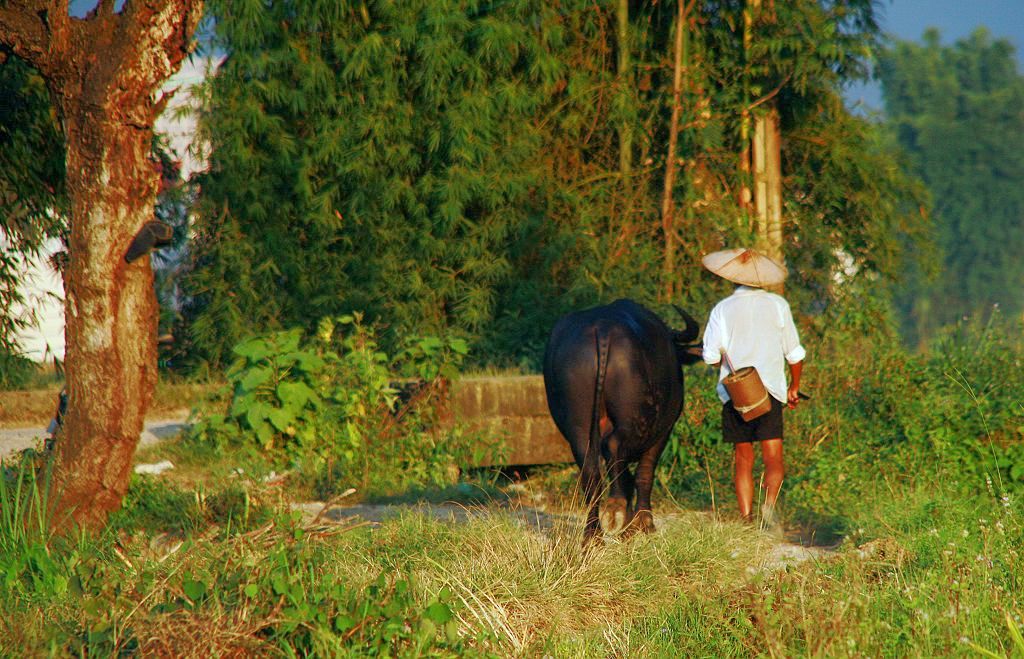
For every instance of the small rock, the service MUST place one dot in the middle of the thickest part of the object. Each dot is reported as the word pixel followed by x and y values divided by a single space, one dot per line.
pixel 154 468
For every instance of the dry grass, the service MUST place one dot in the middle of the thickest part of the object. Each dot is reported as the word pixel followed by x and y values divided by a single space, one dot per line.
pixel 36 407
pixel 188 634
pixel 27 408
pixel 525 584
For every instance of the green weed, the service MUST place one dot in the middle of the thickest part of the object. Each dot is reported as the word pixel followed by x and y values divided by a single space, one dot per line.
pixel 338 410
pixel 28 565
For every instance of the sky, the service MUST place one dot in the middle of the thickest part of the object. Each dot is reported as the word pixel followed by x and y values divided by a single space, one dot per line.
pixel 955 19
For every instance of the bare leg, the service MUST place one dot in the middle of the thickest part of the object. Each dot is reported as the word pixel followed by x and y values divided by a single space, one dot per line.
pixel 774 470
pixel 743 464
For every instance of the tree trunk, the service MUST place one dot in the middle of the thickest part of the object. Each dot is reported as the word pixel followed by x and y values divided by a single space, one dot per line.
pixel 103 73
pixel 625 130
pixel 768 182
pixel 110 310
pixel 766 153
pixel 746 199
pixel 668 200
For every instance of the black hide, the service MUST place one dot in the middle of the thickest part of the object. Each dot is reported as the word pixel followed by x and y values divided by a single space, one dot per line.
pixel 614 382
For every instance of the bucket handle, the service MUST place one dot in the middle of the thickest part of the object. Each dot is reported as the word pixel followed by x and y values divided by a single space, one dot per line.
pixel 728 361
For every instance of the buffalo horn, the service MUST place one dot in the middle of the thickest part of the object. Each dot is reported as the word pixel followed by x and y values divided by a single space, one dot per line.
pixel 692 328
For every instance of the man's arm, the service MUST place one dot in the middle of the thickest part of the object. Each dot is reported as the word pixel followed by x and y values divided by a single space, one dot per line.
pixel 712 351
pixel 793 395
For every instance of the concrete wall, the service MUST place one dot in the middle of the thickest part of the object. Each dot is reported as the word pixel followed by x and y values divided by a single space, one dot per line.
pixel 514 411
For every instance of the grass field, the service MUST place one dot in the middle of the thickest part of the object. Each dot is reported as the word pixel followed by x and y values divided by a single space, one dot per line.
pixel 917 496
pixel 217 565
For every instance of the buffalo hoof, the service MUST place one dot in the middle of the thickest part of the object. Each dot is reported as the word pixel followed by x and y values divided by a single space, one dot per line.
pixel 614 515
pixel 643 521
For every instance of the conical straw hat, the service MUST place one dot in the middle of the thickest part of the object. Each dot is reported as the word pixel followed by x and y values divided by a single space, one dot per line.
pixel 745 266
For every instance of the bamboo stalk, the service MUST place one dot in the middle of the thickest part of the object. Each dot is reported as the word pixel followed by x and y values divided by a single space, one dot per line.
pixel 667 200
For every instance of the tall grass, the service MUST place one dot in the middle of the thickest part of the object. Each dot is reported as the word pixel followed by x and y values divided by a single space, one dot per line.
pixel 24 515
pixel 525 584
pixel 32 569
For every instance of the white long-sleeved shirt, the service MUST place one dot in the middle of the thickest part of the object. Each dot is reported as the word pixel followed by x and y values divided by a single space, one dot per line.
pixel 754 328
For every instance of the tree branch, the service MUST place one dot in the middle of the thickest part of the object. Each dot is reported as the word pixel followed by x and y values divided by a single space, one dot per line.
pixel 770 95
pixel 27 29
pixel 104 8
pixel 160 27
pixel 133 52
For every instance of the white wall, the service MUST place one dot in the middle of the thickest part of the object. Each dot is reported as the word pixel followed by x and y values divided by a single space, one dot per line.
pixel 41 287
pixel 43 290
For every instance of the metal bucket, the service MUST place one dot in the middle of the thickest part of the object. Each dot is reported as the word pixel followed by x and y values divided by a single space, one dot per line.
pixel 748 394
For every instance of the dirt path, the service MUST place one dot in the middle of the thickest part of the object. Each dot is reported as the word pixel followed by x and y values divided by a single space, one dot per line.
pixel 13 440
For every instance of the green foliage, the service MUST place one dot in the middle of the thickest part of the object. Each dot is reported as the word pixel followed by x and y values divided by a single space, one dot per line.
pixel 954 414
pixel 334 406
pixel 454 167
pixel 16 371
pixel 308 615
pixel 353 166
pixel 278 595
pixel 32 195
pixel 880 419
pixel 956 111
pixel 28 566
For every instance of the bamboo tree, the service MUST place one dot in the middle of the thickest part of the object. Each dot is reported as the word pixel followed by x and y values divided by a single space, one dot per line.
pixel 766 152
pixel 679 68
pixel 745 197
pixel 459 167
pixel 625 83
pixel 766 149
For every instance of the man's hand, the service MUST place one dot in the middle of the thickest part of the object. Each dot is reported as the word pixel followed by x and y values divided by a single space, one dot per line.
pixel 793 396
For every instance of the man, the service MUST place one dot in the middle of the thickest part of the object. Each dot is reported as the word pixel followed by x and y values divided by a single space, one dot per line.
pixel 753 327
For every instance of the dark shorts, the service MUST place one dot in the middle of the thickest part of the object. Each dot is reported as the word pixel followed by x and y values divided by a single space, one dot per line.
pixel 766 426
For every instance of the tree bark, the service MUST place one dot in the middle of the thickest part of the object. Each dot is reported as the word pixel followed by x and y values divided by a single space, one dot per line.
pixel 103 73
pixel 668 199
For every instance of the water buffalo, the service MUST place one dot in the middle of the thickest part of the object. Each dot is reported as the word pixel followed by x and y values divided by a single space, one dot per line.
pixel 614 386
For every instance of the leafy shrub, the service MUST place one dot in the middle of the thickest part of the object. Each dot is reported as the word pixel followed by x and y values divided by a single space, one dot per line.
pixel 891 419
pixel 336 407
pixel 16 371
